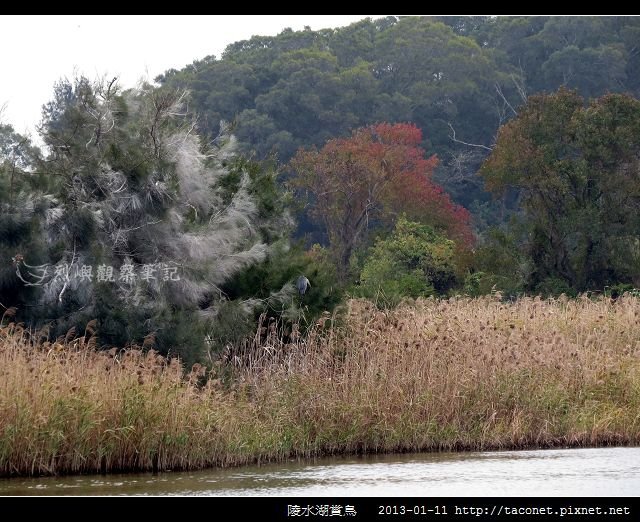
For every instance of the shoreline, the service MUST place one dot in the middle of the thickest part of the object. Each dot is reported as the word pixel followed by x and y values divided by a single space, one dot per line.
pixel 313 458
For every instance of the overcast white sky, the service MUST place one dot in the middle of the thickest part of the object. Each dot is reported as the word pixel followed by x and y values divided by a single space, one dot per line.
pixel 39 50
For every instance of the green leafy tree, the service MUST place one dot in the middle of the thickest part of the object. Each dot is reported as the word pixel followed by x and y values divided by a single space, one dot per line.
pixel 413 261
pixel 500 263
pixel 576 168
pixel 23 203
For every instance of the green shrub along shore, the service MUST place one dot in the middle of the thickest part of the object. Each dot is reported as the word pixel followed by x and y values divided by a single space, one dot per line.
pixel 431 375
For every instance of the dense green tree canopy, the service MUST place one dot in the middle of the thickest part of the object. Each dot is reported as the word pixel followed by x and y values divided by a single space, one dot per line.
pixel 414 261
pixel 577 169
pixel 22 205
pixel 593 54
pixel 462 75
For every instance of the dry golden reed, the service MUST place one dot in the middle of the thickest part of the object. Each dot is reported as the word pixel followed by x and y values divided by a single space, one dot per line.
pixel 430 375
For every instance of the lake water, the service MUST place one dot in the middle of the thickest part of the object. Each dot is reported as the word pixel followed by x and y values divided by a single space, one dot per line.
pixel 564 472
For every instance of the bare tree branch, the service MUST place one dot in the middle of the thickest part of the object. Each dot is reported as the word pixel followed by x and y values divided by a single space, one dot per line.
pixel 520 87
pixel 504 99
pixel 453 138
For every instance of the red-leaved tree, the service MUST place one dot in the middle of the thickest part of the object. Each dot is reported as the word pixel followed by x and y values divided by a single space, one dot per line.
pixel 372 177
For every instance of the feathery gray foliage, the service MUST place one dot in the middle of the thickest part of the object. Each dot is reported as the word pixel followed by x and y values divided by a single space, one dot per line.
pixel 138 187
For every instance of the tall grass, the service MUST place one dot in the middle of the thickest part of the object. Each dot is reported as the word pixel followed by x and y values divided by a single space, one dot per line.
pixel 433 375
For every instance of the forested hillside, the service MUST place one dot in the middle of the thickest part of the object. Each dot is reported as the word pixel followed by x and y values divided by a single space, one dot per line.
pixel 456 78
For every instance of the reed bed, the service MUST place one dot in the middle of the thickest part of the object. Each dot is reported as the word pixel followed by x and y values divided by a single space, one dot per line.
pixel 431 375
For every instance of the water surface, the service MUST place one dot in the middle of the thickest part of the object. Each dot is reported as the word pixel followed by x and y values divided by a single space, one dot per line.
pixel 564 472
